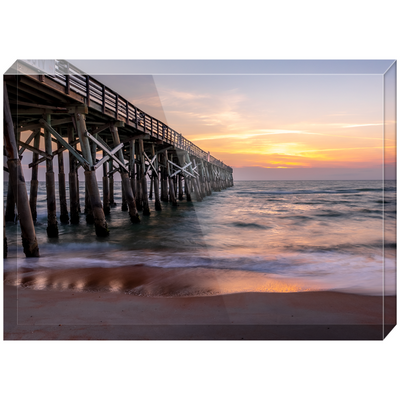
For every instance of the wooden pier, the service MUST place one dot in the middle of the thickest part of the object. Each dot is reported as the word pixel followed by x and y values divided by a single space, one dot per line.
pixel 85 118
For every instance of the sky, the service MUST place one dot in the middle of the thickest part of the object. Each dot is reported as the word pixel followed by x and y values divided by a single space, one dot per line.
pixel 270 119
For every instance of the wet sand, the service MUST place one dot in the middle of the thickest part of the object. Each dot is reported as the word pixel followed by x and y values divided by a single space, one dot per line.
pixel 81 315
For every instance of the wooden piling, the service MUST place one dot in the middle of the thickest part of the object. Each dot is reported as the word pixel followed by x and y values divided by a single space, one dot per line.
pixel 111 187
pixel 151 186
pixel 61 187
pixel 126 187
pixel 157 203
pixel 106 196
pixel 145 200
pixel 180 187
pixel 90 179
pixel 10 215
pixel 125 181
pixel 16 176
pixel 78 188
pixel 96 206
pixel 124 204
pixel 132 168
pixel 193 181
pixel 171 184
pixel 5 246
pixel 73 182
pixel 88 204
pixel 139 203
pixel 164 178
pixel 52 226
pixel 187 189
pixel 34 180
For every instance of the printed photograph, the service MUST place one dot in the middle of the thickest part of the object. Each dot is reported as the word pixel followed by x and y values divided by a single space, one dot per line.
pixel 199 199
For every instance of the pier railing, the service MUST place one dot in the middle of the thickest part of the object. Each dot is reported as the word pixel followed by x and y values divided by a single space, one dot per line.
pixel 107 101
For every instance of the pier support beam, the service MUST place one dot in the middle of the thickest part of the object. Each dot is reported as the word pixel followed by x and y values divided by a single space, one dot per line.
pixel 124 204
pixel 106 196
pixel 34 180
pixel 187 189
pixel 52 226
pixel 88 205
pixel 180 187
pixel 90 179
pixel 125 181
pixel 29 241
pixel 138 198
pixel 96 206
pixel 132 169
pixel 194 181
pixel 61 187
pixel 157 203
pixel 171 184
pixel 111 187
pixel 145 200
pixel 10 215
pixel 73 182
pixel 164 176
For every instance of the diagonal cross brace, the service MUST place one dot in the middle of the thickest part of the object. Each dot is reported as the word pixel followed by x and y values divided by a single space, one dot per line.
pixel 107 157
pixel 29 140
pixel 84 163
pixel 150 162
pixel 181 169
pixel 106 150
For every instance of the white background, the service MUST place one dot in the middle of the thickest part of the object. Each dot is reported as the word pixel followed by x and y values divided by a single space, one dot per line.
pixel 210 30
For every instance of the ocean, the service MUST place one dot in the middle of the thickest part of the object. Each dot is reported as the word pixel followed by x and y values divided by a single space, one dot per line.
pixel 257 236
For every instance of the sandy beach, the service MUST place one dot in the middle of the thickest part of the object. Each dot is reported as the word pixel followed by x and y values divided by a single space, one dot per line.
pixel 72 315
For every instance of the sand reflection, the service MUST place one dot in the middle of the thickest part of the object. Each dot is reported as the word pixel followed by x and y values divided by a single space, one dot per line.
pixel 157 282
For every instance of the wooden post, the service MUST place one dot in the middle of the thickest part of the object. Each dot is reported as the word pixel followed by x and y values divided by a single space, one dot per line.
pixel 145 200
pixel 198 182
pixel 78 188
pixel 10 215
pixel 52 226
pixel 106 196
pixel 180 186
pixel 151 186
pixel 124 204
pixel 34 181
pixel 16 176
pixel 91 182
pixel 61 187
pixel 164 178
pixel 187 189
pixel 176 185
pixel 171 184
pixel 111 189
pixel 132 168
pixel 5 247
pixel 88 205
pixel 193 181
pixel 208 179
pixel 139 203
pixel 73 182
pixel 157 203
pixel 125 181
pixel 96 206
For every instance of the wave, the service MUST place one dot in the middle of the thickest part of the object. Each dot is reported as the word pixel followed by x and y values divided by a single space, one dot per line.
pixel 172 274
pixel 249 225
pixel 300 191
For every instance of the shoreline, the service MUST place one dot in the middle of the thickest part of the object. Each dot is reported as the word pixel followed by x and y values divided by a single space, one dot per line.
pixel 320 315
